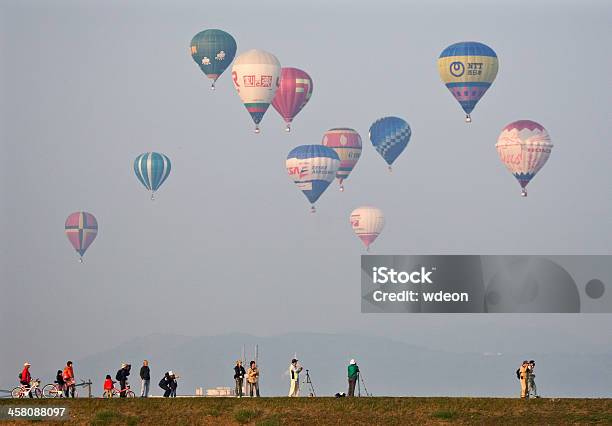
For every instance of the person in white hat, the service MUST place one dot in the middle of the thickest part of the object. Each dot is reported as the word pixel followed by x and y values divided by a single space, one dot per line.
pixel 294 371
pixel 25 377
pixel 353 376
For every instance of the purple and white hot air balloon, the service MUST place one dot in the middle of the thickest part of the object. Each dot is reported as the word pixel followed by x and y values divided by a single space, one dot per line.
pixel 524 147
pixel 81 229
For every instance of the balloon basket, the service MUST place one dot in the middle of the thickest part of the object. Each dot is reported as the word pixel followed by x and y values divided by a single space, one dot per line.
pixel 212 87
pixel 288 128
pixel 523 192
pixel 152 196
pixel 341 188
pixel 257 130
pixel 468 119
pixel 312 209
pixel 80 260
pixel 390 169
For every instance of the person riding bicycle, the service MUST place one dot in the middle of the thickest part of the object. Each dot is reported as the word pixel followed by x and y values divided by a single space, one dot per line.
pixel 25 377
pixel 68 376
pixel 122 376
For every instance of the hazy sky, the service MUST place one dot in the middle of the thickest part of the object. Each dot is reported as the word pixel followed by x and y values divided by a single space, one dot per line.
pixel 229 245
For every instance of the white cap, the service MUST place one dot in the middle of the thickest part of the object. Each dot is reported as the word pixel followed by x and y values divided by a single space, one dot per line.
pixel 353 361
pixel 170 373
pixel 26 364
pixel 123 365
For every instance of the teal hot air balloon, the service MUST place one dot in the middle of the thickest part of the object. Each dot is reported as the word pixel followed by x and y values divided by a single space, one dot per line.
pixel 152 169
pixel 213 51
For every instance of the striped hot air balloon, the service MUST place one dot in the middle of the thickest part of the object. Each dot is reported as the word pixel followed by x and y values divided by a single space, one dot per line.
pixel 81 229
pixel 152 169
pixel 347 144
pixel 256 75
pixel 367 222
pixel 468 69
pixel 389 136
pixel 213 51
pixel 312 168
pixel 293 94
pixel 524 147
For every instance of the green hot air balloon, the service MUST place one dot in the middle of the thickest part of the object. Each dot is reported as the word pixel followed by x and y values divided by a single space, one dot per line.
pixel 213 51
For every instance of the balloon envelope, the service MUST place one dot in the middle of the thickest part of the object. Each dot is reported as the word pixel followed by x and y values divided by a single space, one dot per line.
pixel 213 51
pixel 293 94
pixel 524 147
pixel 468 69
pixel 81 229
pixel 389 136
pixel 312 168
pixel 367 222
pixel 347 144
pixel 256 76
pixel 152 169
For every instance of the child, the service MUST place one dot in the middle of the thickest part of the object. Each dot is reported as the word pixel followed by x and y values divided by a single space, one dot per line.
pixel 59 379
pixel 108 387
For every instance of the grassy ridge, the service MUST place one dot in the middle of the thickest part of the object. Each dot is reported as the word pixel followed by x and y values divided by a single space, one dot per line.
pixel 344 411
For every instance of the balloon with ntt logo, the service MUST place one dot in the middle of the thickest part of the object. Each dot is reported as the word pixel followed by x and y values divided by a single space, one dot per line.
pixel 256 75
pixel 367 222
pixel 81 229
pixel 293 94
pixel 152 169
pixel 389 136
pixel 347 144
pixel 312 168
pixel 213 51
pixel 524 147
pixel 468 69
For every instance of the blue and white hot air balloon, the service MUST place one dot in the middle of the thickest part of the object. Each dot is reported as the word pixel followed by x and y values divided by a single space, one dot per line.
pixel 312 168
pixel 389 136
pixel 152 169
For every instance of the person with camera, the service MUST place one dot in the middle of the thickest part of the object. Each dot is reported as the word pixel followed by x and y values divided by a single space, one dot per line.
pixel 294 372
pixel 253 379
pixel 121 377
pixel 353 376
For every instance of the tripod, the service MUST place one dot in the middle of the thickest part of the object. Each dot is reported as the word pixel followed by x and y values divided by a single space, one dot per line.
pixel 359 381
pixel 308 381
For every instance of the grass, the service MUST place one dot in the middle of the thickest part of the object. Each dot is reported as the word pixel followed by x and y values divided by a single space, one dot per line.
pixel 322 411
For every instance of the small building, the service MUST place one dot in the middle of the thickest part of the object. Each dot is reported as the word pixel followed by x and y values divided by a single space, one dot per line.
pixel 220 391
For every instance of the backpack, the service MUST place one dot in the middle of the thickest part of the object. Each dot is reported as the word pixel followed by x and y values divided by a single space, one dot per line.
pixel 19 375
pixel 119 375
pixel 518 373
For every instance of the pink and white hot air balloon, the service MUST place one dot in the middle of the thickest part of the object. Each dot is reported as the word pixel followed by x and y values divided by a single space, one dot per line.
pixel 524 147
pixel 347 144
pixel 367 222
pixel 81 229
pixel 293 94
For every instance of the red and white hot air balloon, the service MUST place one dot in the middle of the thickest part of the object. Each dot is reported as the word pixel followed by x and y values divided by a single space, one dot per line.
pixel 347 144
pixel 524 147
pixel 367 222
pixel 293 94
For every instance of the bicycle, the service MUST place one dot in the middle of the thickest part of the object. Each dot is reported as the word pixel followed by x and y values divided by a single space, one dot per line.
pixel 129 393
pixel 23 391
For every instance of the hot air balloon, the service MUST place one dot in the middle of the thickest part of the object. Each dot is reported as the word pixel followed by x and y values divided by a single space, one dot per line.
pixel 468 69
pixel 152 169
pixel 81 229
pixel 390 135
pixel 213 51
pixel 312 168
pixel 293 94
pixel 367 222
pixel 347 144
pixel 256 76
pixel 524 147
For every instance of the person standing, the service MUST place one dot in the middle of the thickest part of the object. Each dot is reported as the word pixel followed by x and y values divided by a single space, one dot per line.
pixel 25 377
pixel 108 387
pixel 533 389
pixel 353 376
pixel 164 383
pixel 253 379
pixel 121 377
pixel 523 375
pixel 145 379
pixel 173 384
pixel 68 376
pixel 239 374
pixel 294 371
